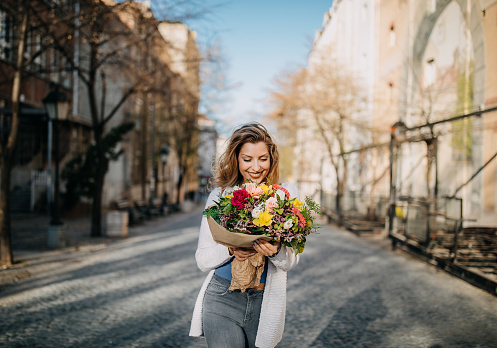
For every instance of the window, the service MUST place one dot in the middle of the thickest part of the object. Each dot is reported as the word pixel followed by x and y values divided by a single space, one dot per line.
pixel 392 35
pixel 28 46
pixel 66 74
pixel 390 92
pixel 430 73
pixel 44 58
pixel 6 36
pixel 36 44
pixel 55 68
pixel 431 6
pixel 28 145
pixel 59 5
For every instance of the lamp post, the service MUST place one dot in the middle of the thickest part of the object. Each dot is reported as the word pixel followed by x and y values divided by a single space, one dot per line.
pixel 153 177
pixel 397 135
pixel 164 154
pixel 56 105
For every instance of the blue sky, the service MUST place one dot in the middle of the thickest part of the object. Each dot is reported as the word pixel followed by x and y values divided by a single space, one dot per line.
pixel 260 39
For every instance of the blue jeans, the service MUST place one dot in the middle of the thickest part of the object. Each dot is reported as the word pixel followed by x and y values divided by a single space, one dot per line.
pixel 230 318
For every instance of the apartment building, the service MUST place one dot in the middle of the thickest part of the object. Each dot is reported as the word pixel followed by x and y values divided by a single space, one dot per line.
pixel 424 65
pixel 134 82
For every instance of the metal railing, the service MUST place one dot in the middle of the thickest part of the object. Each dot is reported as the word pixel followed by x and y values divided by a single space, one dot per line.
pixel 356 204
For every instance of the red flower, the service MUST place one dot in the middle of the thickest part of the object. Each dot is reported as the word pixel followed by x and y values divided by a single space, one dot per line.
pixel 302 222
pixel 239 198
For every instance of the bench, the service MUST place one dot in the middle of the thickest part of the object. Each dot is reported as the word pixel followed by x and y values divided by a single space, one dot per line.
pixel 141 206
pixel 156 208
pixel 135 215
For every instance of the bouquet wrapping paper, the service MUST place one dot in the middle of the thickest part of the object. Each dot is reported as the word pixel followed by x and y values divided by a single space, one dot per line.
pixel 246 274
pixel 232 239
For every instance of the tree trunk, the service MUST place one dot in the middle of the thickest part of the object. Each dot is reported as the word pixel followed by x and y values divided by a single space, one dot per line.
pixel 429 166
pixel 96 213
pixel 6 257
pixel 6 153
pixel 96 216
pixel 338 199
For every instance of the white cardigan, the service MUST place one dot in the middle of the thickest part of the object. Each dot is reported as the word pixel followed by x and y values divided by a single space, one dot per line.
pixel 210 255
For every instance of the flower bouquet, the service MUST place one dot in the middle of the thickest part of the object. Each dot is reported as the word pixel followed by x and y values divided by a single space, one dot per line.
pixel 243 214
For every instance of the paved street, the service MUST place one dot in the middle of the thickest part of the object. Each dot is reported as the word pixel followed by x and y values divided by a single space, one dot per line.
pixel 139 292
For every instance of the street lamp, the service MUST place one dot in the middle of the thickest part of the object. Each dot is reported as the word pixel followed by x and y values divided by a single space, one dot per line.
pixel 153 177
pixel 398 131
pixel 164 154
pixel 56 104
pixel 397 135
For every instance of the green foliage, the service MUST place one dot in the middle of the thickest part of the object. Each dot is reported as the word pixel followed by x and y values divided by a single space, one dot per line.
pixel 227 209
pixel 213 212
pixel 313 205
pixel 298 245
pixel 80 173
pixel 462 137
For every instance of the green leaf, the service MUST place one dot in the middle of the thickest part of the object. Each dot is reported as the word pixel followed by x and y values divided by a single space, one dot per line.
pixel 227 209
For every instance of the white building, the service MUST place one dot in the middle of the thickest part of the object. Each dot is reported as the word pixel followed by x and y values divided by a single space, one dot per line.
pixel 346 44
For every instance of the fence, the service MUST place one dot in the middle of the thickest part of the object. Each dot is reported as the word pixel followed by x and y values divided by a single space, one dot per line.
pixel 356 204
pixel 40 181
pixel 26 197
pixel 359 212
pixel 435 229
pixel 421 219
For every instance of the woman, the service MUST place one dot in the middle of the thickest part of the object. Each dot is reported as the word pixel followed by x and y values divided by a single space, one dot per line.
pixel 256 317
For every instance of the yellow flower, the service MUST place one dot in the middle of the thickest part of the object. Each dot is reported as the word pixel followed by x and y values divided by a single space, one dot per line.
pixel 265 188
pixel 297 204
pixel 228 196
pixel 264 219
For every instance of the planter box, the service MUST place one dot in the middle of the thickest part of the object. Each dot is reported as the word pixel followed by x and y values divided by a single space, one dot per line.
pixel 117 224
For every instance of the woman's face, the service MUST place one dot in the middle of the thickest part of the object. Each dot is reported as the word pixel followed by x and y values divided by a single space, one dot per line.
pixel 254 162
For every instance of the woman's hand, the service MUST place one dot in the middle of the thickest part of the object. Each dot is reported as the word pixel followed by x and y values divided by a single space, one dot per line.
pixel 241 254
pixel 266 248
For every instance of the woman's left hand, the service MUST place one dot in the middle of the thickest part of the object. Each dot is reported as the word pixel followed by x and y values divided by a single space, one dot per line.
pixel 266 248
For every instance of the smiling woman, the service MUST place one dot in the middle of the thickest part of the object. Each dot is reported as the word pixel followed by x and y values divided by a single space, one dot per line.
pixel 251 155
pixel 253 313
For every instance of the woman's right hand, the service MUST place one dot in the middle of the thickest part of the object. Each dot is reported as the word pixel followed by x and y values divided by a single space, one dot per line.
pixel 241 254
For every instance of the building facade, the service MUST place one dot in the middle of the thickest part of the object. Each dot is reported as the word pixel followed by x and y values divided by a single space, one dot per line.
pixel 142 81
pixel 427 67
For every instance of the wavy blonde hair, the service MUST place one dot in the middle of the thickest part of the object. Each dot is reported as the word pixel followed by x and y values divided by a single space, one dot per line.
pixel 226 172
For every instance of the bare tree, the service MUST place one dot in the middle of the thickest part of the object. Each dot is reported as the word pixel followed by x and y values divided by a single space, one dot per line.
pixel 329 95
pixel 116 39
pixel 184 131
pixel 30 16
pixel 7 148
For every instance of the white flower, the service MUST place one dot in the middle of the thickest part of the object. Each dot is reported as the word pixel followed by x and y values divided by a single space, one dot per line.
pixel 281 194
pixel 288 224
pixel 256 212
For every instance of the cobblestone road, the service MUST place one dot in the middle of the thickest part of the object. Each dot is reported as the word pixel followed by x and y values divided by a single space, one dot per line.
pixel 139 292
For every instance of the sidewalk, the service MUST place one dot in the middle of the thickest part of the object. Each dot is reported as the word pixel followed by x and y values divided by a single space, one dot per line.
pixel 32 255
pixel 30 232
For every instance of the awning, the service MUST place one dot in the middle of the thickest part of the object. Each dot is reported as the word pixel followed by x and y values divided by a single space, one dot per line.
pixel 26 111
